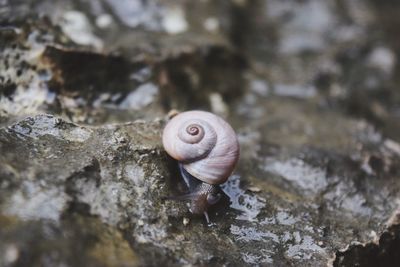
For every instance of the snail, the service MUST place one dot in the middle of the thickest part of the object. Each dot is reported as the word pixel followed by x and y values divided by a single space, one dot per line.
pixel 207 150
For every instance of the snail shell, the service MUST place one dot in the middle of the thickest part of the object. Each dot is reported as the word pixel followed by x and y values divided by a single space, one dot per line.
pixel 205 145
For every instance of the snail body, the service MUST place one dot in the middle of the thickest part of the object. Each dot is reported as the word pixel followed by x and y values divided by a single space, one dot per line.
pixel 207 150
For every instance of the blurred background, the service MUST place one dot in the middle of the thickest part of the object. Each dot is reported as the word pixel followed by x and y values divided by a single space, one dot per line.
pixel 311 86
pixel 224 56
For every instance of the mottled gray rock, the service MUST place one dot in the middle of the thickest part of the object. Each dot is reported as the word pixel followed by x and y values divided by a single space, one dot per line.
pixel 56 169
pixel 299 205
pixel 309 86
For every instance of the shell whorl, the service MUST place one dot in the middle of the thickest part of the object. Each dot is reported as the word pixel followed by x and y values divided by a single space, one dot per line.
pixel 193 133
pixel 189 140
pixel 204 143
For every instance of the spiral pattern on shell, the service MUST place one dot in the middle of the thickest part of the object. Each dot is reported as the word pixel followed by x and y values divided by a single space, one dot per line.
pixel 204 143
pixel 193 133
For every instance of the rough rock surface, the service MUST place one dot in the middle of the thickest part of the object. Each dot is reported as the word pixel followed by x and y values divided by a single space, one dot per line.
pixel 310 86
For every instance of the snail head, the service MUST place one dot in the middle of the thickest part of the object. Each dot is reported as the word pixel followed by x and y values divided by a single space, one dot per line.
pixel 205 196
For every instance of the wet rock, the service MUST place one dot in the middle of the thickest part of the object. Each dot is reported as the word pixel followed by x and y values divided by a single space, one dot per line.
pixel 76 241
pixel 59 179
pixel 119 174
pixel 309 86
pixel 382 252
pixel 315 196
pixel 42 73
